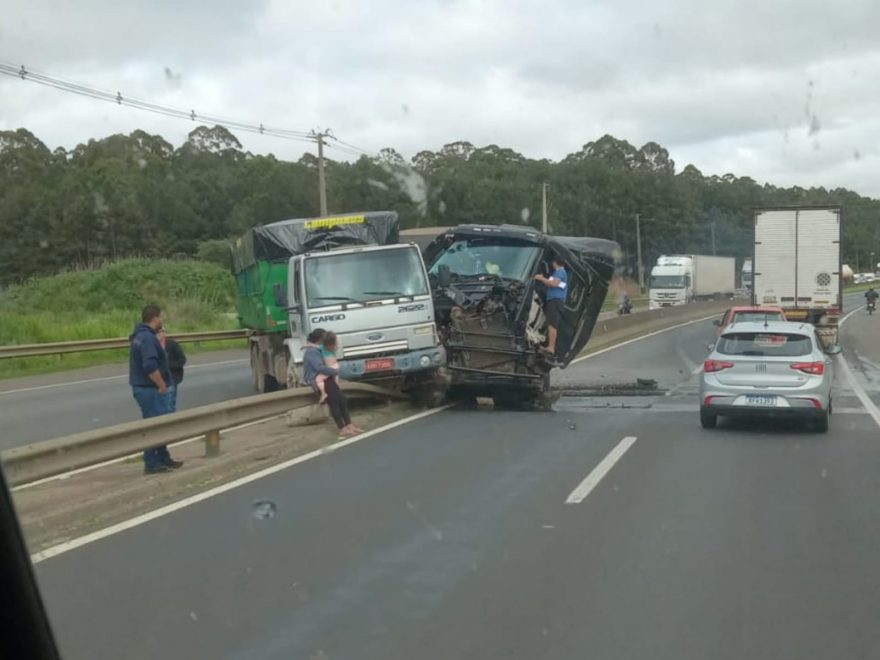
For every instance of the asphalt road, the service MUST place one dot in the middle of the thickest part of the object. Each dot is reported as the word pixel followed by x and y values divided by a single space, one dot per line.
pixel 452 538
pixel 55 405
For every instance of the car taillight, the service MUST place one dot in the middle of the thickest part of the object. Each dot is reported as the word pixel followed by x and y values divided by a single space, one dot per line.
pixel 815 368
pixel 711 366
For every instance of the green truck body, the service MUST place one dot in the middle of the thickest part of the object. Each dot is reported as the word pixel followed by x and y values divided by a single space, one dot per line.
pixel 255 288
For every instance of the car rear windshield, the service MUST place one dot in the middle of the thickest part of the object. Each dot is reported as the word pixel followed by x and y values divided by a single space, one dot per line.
pixel 741 317
pixel 771 344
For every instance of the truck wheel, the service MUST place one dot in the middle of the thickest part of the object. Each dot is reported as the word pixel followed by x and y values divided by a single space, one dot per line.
pixel 513 400
pixel 708 420
pixel 429 396
pixel 256 376
pixel 270 384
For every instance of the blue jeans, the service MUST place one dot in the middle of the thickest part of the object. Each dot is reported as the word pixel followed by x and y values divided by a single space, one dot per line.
pixel 152 404
pixel 171 399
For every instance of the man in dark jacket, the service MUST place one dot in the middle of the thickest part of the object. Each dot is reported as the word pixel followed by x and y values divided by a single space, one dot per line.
pixel 149 377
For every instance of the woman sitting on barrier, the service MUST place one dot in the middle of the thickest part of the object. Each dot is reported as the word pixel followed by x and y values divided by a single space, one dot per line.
pixel 314 366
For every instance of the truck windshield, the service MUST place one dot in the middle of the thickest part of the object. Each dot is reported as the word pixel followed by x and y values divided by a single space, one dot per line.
pixel 667 281
pixel 364 276
pixel 467 258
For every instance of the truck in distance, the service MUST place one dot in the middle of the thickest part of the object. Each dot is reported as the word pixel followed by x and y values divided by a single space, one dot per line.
pixel 348 274
pixel 684 278
pixel 797 264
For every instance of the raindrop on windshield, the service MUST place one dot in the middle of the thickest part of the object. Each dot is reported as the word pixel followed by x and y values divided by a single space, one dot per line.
pixel 264 509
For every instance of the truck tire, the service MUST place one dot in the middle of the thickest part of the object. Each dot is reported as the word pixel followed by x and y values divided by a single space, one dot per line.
pixel 256 376
pixel 429 396
pixel 708 420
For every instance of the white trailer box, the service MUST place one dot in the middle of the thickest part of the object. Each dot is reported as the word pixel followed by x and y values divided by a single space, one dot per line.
pixel 797 259
pixel 714 277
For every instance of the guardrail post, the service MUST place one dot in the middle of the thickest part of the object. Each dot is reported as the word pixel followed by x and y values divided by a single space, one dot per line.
pixel 212 443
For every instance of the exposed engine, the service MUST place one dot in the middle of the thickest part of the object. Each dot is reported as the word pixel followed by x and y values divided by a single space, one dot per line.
pixel 481 318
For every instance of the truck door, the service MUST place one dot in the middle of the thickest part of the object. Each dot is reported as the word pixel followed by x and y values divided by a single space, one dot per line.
pixel 818 258
pixel 296 311
pixel 578 317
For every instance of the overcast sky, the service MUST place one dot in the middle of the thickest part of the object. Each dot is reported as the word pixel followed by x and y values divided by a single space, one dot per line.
pixel 784 92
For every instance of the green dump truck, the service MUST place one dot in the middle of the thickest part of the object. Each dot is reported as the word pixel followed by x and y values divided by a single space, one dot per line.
pixel 345 273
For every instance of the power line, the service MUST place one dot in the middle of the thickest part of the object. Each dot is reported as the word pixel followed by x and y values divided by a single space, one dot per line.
pixel 349 146
pixel 140 104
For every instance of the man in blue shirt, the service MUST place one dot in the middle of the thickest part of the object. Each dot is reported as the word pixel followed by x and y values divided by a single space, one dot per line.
pixel 557 286
pixel 149 377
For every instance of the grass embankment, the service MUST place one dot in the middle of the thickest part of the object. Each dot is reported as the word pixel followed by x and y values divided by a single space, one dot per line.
pixel 105 303
pixel 864 286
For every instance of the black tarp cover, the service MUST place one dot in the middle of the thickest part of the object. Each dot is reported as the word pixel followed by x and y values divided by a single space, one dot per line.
pixel 281 240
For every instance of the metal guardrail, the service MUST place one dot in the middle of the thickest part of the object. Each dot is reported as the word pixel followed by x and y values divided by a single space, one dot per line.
pixel 52 457
pixel 57 348
pixel 57 456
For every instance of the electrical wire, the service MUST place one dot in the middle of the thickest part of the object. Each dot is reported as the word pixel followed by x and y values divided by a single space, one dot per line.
pixel 95 93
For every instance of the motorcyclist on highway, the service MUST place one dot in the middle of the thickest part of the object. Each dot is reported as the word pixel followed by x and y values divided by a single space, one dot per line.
pixel 871 295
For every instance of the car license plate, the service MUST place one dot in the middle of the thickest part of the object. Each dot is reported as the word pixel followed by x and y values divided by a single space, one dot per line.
pixel 761 400
pixel 379 364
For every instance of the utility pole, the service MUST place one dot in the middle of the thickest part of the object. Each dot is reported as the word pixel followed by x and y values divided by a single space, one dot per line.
pixel 319 137
pixel 639 253
pixel 544 187
pixel 713 237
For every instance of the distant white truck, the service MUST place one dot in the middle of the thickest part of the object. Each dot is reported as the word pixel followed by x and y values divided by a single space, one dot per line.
pixel 797 265
pixel 683 278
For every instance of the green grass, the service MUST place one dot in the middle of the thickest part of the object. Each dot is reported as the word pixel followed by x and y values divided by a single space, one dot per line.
pixel 106 303
pixel 864 286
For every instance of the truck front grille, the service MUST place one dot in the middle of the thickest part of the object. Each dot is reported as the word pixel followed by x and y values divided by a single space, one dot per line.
pixel 374 349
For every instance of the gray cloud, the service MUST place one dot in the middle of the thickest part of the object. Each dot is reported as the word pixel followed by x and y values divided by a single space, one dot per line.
pixel 730 86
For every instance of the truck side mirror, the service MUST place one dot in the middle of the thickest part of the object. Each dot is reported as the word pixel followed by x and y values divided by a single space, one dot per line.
pixel 280 296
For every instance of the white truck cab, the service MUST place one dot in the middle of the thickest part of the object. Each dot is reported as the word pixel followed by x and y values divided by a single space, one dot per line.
pixel 671 282
pixel 376 299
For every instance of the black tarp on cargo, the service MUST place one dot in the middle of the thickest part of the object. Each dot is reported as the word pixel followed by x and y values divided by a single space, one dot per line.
pixel 281 240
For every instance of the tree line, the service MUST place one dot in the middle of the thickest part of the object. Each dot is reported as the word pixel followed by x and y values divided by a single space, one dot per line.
pixel 137 195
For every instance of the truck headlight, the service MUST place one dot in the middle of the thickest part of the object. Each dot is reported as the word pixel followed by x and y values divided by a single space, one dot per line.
pixel 425 361
pixel 424 329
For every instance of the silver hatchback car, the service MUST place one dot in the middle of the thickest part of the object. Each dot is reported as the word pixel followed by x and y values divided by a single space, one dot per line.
pixel 775 369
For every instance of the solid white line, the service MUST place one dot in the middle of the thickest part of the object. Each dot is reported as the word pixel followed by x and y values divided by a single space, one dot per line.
pixel 72 544
pixel 862 396
pixel 635 339
pixel 89 468
pixel 592 480
pixel 116 377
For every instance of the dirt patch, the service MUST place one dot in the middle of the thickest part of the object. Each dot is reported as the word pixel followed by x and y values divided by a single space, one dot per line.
pixel 63 509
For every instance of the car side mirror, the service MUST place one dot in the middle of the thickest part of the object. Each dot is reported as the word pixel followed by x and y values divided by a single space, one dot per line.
pixel 834 349
pixel 280 296
pixel 711 347
pixel 717 323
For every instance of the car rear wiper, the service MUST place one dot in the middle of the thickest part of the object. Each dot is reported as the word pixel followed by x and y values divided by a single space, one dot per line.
pixel 755 353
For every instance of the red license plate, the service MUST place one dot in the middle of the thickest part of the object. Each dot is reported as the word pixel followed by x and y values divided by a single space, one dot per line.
pixel 380 364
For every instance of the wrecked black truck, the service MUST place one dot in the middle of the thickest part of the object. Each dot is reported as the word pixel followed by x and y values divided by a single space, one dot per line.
pixel 489 308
